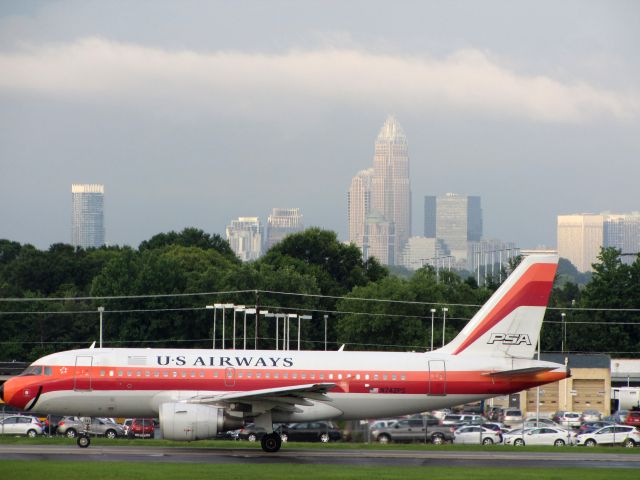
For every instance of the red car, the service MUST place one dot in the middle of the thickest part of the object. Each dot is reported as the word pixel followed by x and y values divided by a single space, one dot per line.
pixel 633 418
pixel 141 427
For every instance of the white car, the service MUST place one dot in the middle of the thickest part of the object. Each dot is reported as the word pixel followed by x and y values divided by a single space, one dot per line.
pixel 610 435
pixel 21 425
pixel 540 436
pixel 475 434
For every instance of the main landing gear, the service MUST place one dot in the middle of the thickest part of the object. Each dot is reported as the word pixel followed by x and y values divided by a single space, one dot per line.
pixel 83 440
pixel 271 442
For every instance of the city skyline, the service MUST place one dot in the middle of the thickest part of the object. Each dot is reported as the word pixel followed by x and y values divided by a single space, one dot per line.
pixel 197 112
pixel 87 215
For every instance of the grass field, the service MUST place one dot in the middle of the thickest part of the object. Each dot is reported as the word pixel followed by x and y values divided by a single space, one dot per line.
pixel 13 440
pixel 71 470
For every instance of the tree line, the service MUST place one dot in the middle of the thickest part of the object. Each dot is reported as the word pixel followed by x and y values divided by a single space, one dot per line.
pixel 368 307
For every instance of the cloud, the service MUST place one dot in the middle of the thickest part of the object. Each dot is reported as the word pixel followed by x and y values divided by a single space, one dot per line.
pixel 248 83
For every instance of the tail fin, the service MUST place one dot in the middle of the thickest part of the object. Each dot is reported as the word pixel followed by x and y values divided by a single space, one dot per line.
pixel 509 323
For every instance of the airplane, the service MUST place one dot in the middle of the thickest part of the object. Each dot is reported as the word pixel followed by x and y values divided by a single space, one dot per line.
pixel 197 393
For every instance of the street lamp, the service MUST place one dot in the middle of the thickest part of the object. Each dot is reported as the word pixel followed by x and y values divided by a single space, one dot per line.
pixel 255 339
pixel 236 308
pixel 224 306
pixel 213 307
pixel 301 317
pixel 101 311
pixel 288 317
pixel 244 328
pixel 564 331
pixel 433 312
pixel 325 332
pixel 444 322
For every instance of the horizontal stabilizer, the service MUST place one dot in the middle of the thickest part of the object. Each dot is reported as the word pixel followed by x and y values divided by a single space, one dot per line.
pixel 519 372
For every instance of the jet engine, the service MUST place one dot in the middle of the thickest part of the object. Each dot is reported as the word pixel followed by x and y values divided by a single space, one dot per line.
pixel 188 421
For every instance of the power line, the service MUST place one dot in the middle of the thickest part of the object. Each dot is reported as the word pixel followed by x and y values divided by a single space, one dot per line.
pixel 123 297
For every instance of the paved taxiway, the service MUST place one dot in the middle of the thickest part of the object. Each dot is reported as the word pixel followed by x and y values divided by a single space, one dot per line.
pixel 489 458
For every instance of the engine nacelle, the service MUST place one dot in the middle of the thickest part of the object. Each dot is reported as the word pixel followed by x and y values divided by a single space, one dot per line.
pixel 188 421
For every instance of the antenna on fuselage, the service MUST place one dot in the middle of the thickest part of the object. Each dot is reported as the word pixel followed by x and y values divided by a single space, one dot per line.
pixel 92 345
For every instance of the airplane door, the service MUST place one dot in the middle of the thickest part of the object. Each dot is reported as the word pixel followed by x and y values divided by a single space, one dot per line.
pixel 82 373
pixel 229 377
pixel 437 377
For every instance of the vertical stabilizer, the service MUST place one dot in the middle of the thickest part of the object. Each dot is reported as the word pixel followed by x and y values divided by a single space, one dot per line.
pixel 509 323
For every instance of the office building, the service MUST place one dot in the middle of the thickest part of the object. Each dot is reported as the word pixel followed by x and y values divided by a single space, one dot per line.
pixel 456 220
pixel 87 215
pixel 622 231
pixel 421 251
pixel 245 236
pixel 580 238
pixel 380 198
pixel 379 239
pixel 283 222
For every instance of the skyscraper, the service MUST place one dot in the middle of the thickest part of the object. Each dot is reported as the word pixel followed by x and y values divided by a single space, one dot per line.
pixel 580 238
pixel 622 231
pixel 282 222
pixel 359 199
pixel 380 198
pixel 87 215
pixel 458 221
pixel 245 236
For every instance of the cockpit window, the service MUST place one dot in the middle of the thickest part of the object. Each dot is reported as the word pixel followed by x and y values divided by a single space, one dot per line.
pixel 32 370
pixel 47 371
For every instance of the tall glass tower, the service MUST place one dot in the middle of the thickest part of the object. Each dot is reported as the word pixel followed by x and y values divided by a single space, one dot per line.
pixel 87 215
pixel 380 198
pixel 391 191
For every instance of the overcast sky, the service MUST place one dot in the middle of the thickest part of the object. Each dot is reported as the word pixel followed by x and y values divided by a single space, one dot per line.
pixel 192 113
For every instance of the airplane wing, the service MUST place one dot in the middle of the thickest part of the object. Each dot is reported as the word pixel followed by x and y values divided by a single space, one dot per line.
pixel 282 398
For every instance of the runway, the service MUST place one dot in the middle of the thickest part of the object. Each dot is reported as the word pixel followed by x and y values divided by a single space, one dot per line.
pixel 383 457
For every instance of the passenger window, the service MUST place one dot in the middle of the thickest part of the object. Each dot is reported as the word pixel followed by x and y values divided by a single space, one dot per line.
pixel 240 374
pixel 376 376
pixel 385 376
pixel 357 376
pixel 111 373
pixel 366 377
pixel 339 376
pixel 267 375
pixel 285 375
pixel 276 375
pixel 403 377
pixel 201 374
pixel 138 373
pixel 249 375
pixel 294 375
pixel 394 376
pixel 183 374
pixel 120 373
pixel 303 375
pixel 192 374
pixel 156 374
pixel 165 374
pixel 312 376
pixel 331 376
pixel 215 374
pixel 321 376
pixel 129 373
pixel 258 375
pixel 147 373
pixel 174 374
pixel 102 373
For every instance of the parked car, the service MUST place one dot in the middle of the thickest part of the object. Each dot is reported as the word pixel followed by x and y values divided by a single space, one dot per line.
pixel 590 426
pixel 378 424
pixel 21 425
pixel 440 414
pixel 541 436
pixel 71 427
pixel 567 419
pixel 456 418
pixel 126 425
pixel 141 428
pixel 511 416
pixel 633 418
pixel 476 434
pixel 622 415
pixel 50 423
pixel 494 413
pixel 532 422
pixel 590 416
pixel 611 435
pixel 412 430
pixel 311 432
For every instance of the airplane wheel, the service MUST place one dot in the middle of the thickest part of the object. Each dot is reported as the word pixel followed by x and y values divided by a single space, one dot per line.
pixel 271 442
pixel 83 441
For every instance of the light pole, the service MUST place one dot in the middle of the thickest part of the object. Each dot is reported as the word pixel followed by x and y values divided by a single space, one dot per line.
pixel 325 332
pixel 236 308
pixel 289 316
pixel 564 331
pixel 101 311
pixel 224 309
pixel 433 312
pixel 244 328
pixel 444 322
pixel 301 317
pixel 255 339
pixel 213 336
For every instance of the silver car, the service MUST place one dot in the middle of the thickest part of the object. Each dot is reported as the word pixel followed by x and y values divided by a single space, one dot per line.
pixel 71 427
pixel 21 425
